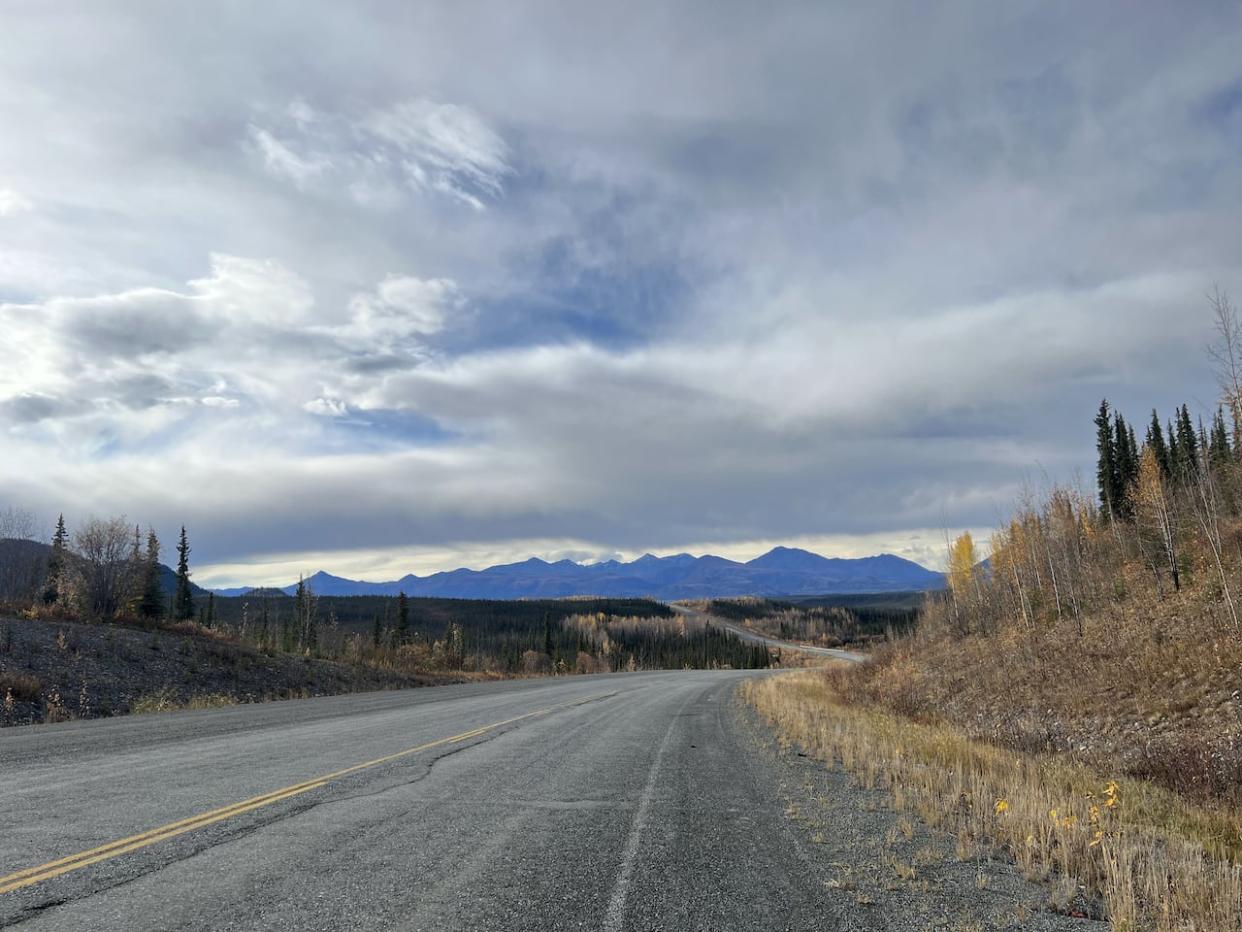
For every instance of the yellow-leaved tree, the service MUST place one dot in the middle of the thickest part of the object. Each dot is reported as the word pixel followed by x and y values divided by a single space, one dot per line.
pixel 962 560
pixel 1157 522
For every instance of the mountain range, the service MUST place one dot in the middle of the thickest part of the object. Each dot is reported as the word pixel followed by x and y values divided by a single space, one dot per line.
pixel 782 571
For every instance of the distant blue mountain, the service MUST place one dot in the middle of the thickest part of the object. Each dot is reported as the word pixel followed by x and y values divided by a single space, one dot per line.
pixel 782 571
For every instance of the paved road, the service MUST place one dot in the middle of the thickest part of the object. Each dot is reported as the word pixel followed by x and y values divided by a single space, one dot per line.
pixel 756 638
pixel 747 635
pixel 631 801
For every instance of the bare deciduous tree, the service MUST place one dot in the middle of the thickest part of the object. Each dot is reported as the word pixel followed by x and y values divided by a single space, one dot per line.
pixel 1226 354
pixel 17 524
pixel 103 569
pixel 21 563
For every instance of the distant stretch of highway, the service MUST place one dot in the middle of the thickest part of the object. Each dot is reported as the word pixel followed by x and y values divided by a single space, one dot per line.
pixel 755 637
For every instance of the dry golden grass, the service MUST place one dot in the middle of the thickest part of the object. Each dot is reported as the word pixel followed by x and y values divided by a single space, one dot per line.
pixel 1156 860
pixel 1149 688
pixel 166 700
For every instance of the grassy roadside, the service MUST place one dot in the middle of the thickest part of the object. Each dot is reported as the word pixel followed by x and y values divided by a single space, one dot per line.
pixel 1149 858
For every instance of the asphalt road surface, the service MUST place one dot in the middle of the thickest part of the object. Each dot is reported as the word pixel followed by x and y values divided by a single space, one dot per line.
pixel 755 637
pixel 746 634
pixel 628 801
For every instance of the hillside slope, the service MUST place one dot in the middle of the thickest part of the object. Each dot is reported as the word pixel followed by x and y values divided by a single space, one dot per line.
pixel 55 670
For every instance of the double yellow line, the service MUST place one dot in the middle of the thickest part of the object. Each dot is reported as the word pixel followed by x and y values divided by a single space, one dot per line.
pixel 73 862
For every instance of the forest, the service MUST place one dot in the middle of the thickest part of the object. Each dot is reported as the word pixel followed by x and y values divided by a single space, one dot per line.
pixel 109 572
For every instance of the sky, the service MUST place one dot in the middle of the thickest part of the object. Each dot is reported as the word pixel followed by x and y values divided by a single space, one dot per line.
pixel 380 288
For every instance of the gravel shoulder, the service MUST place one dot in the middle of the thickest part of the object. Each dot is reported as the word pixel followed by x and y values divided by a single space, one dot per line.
pixel 882 869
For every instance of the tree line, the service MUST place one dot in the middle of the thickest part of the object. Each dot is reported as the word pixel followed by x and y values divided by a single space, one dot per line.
pixel 1170 504
pixel 107 570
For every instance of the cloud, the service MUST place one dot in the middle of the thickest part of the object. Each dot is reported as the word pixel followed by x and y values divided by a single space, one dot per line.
pixel 247 338
pixel 444 147
pixel 282 161
pixel 637 284
pixel 417 145
pixel 12 203
pixel 400 309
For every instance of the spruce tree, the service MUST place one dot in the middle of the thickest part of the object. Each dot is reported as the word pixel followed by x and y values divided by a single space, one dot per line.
pixel 1187 444
pixel 1125 466
pixel 211 609
pixel 183 598
pixel 1106 468
pixel 151 604
pixel 56 562
pixel 299 612
pixel 403 617
pixel 1220 452
pixel 1155 440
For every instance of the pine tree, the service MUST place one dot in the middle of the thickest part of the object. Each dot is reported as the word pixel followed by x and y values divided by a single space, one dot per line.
pixel 183 598
pixel 1106 469
pixel 377 633
pixel 211 609
pixel 1155 440
pixel 151 604
pixel 56 562
pixel 403 617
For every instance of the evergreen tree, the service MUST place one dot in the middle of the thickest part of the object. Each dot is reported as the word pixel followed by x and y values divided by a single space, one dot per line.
pixel 299 611
pixel 1155 440
pixel 183 598
pixel 377 633
pixel 306 625
pixel 1125 466
pixel 151 604
pixel 403 618
pixel 56 562
pixel 1106 468
pixel 1219 445
pixel 211 609
pixel 1187 444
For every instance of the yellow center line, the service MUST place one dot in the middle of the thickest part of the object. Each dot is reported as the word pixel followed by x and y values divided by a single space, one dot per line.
pixel 73 862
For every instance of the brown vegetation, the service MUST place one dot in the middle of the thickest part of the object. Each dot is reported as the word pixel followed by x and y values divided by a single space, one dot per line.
pixel 1085 683
pixel 1138 853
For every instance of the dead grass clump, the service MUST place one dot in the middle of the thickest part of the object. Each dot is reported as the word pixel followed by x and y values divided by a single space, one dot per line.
pixel 167 700
pixel 25 687
pixel 1153 859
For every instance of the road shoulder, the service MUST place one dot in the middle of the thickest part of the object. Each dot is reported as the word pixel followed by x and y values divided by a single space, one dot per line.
pixel 884 869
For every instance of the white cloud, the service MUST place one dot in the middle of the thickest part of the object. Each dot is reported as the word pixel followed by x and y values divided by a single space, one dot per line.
pixel 417 145
pixel 12 203
pixel 402 308
pixel 326 407
pixel 282 161
pixel 446 146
